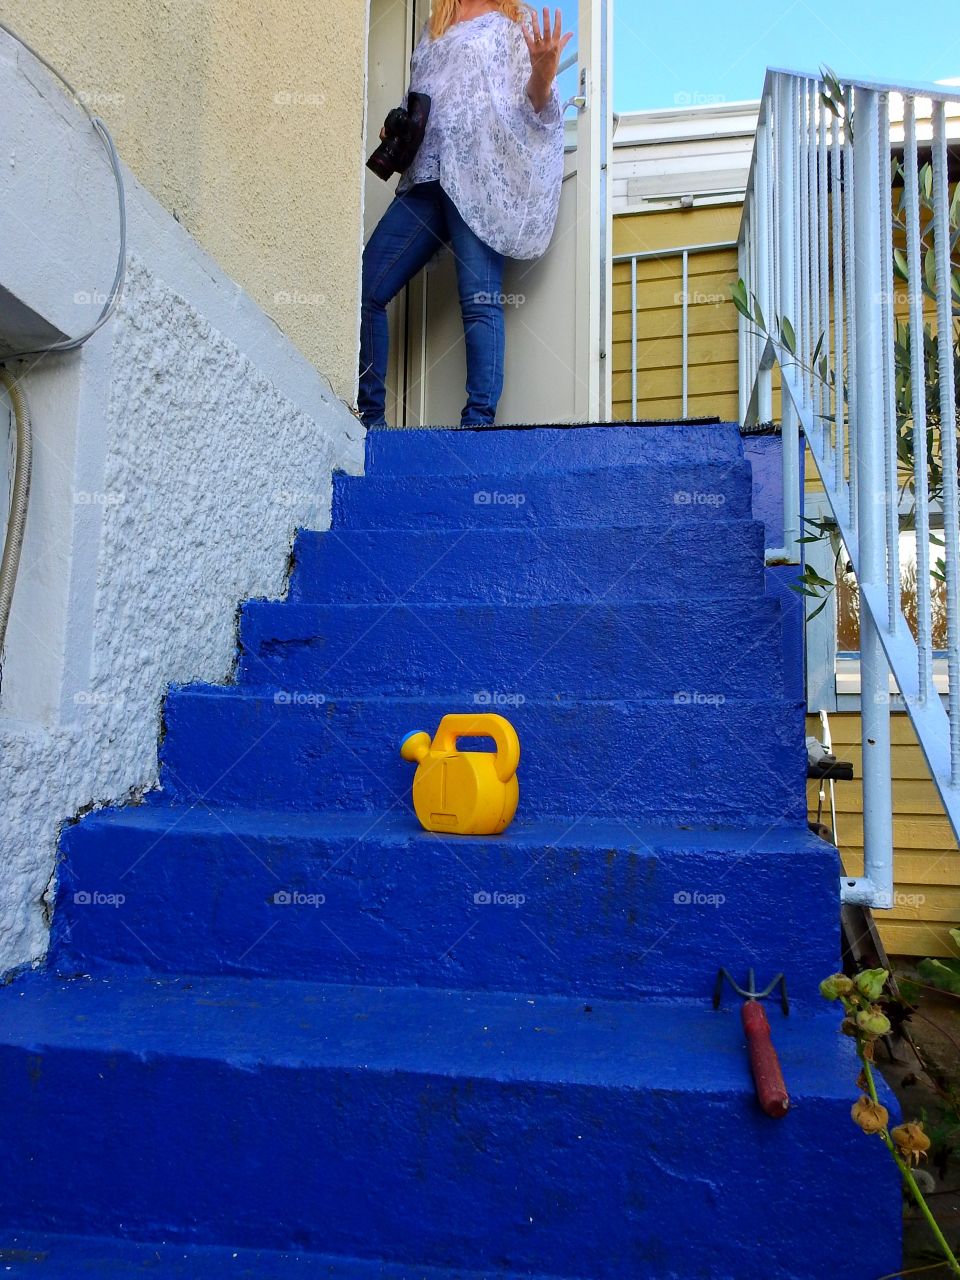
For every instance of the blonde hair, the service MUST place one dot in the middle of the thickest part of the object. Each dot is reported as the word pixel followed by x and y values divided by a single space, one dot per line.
pixel 443 12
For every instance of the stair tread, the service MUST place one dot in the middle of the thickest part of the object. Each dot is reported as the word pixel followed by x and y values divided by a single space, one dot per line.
pixel 441 701
pixel 650 1045
pixel 399 826
pixel 710 531
pixel 733 465
pixel 673 606
pixel 64 1257
pixel 578 445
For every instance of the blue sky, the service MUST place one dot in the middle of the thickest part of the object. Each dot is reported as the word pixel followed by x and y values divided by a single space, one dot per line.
pixel 691 51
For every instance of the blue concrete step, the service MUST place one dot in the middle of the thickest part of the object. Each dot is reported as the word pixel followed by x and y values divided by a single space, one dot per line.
pixel 580 499
pixel 691 760
pixel 59 1257
pixel 533 1134
pixel 592 908
pixel 687 558
pixel 731 649
pixel 578 448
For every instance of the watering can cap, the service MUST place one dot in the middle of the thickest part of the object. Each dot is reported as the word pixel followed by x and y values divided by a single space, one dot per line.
pixel 412 734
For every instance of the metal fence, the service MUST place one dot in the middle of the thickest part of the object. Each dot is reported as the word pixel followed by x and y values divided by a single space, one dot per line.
pixel 684 253
pixel 838 208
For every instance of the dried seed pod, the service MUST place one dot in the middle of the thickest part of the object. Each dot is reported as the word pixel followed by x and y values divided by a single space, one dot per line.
pixel 911 1141
pixel 869 1115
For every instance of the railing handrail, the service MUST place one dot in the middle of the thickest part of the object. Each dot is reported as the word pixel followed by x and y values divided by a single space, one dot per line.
pixel 909 89
pixel 816 249
pixel 915 89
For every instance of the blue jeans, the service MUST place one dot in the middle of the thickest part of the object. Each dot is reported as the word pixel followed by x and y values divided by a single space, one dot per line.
pixel 411 231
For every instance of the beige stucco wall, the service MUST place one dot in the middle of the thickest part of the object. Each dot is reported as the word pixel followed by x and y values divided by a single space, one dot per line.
pixel 245 119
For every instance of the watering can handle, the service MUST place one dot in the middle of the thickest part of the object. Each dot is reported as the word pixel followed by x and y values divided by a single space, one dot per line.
pixel 482 725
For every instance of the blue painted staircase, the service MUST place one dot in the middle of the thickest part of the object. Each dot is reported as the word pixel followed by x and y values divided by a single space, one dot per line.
pixel 282 1030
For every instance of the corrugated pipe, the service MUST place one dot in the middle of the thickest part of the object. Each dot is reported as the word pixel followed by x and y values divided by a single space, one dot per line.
pixel 13 543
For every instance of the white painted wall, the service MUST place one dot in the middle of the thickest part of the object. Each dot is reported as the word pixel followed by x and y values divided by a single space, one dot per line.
pixel 174 458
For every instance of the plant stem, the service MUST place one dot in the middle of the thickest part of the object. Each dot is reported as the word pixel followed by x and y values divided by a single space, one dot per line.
pixel 914 1271
pixel 940 991
pixel 933 1023
pixel 907 1175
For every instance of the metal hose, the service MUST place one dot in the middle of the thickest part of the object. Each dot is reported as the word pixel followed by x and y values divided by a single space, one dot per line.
pixel 13 542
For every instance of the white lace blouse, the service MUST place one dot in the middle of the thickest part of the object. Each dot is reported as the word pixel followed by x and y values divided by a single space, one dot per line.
pixel 496 156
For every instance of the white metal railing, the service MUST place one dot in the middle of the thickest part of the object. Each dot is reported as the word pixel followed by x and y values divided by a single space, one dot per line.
pixel 684 253
pixel 820 247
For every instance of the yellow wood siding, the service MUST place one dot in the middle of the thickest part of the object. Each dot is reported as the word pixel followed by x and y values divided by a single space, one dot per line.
pixel 926 859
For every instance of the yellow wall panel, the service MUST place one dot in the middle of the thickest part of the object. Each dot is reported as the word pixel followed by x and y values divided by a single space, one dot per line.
pixel 712 318
pixel 926 857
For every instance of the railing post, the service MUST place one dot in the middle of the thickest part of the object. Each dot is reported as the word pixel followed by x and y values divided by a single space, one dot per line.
pixel 762 237
pixel 743 338
pixel 787 144
pixel 876 887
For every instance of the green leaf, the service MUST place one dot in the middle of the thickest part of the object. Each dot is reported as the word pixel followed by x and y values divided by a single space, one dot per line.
pixel 758 313
pixel 944 974
pixel 739 295
pixel 930 271
pixel 817 349
pixel 830 80
pixel 900 264
pixel 789 337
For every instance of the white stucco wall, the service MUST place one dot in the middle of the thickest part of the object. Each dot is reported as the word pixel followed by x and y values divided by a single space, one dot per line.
pixel 175 456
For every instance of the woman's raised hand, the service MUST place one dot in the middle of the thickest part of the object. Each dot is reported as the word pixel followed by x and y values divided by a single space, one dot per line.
pixel 546 47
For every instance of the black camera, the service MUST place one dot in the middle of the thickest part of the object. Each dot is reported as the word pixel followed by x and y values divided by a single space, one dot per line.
pixel 404 127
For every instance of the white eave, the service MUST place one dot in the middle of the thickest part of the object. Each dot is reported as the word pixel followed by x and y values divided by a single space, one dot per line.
pixel 683 157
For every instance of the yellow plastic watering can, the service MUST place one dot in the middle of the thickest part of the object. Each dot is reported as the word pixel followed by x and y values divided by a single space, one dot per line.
pixel 467 793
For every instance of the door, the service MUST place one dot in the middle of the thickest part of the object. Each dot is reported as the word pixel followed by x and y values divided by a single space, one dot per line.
pixel 557 366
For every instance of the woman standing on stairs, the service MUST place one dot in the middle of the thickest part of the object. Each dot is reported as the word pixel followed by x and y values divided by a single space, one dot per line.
pixel 485 180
